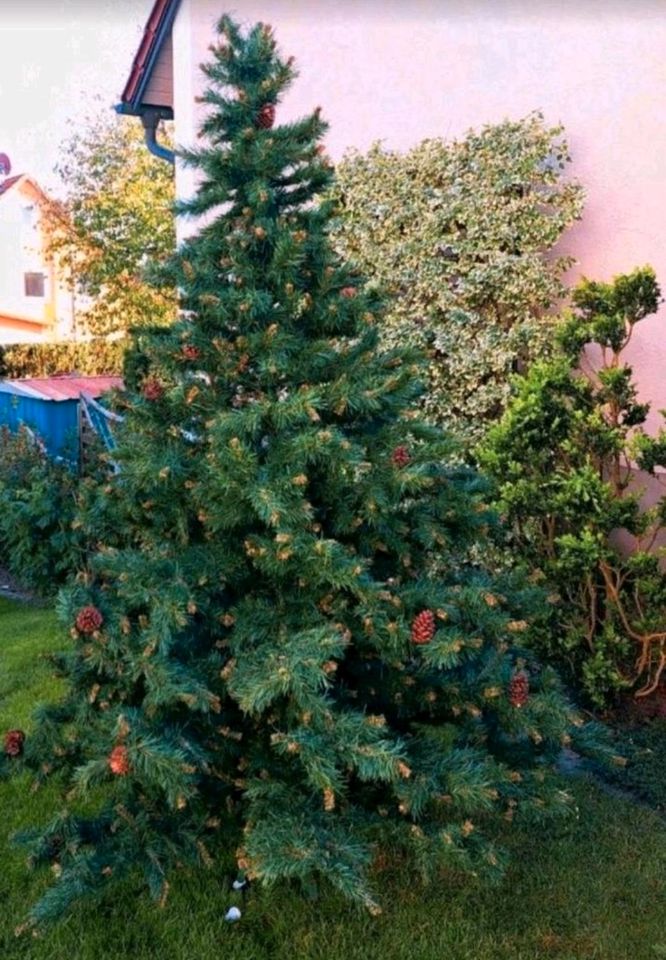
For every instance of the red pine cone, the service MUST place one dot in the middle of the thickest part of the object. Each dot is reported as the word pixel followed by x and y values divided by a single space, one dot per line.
pixel 14 740
pixel 400 456
pixel 119 761
pixel 266 116
pixel 152 389
pixel 348 292
pixel 423 627
pixel 519 689
pixel 189 351
pixel 89 619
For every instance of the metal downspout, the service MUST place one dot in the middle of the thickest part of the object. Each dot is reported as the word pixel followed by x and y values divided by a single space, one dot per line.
pixel 150 120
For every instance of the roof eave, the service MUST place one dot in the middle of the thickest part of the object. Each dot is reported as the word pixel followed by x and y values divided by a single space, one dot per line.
pixel 138 110
pixel 131 101
pixel 8 317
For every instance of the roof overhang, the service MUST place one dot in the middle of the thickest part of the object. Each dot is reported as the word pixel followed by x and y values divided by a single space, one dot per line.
pixel 21 179
pixel 18 320
pixel 156 31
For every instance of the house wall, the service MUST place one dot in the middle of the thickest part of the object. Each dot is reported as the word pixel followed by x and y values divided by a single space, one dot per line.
pixel 28 318
pixel 401 71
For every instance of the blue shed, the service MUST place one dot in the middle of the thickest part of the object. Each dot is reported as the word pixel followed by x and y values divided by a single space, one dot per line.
pixel 50 407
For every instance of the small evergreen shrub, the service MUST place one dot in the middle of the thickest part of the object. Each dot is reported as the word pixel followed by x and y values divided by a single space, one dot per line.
pixel 38 497
pixel 565 458
pixel 460 235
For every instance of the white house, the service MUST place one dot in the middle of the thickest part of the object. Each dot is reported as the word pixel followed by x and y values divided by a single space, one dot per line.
pixel 35 304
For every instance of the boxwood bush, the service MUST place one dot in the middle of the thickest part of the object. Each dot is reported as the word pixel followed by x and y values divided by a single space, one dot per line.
pixel 566 458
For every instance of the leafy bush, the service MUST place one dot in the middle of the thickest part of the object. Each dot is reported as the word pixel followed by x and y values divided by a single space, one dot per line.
pixel 460 235
pixel 565 458
pixel 37 506
pixel 89 358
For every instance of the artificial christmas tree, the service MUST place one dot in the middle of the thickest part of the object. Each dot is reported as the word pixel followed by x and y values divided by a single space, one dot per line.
pixel 248 680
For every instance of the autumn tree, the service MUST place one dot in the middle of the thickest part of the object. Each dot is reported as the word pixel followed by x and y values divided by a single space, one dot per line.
pixel 115 216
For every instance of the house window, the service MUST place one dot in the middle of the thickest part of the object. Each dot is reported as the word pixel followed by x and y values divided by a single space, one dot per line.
pixel 34 284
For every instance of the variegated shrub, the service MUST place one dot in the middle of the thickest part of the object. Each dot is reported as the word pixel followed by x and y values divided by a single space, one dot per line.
pixel 464 237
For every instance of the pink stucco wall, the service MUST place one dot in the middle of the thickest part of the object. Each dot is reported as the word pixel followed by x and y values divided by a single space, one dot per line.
pixel 402 70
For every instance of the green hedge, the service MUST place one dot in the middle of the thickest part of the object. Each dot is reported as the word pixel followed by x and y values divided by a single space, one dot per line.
pixel 89 358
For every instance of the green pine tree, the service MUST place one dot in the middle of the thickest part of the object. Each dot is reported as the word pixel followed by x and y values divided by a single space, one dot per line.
pixel 264 661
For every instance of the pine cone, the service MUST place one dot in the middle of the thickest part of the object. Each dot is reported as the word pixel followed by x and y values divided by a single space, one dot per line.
pixel 423 627
pixel 266 116
pixel 189 351
pixel 519 689
pixel 152 389
pixel 401 457
pixel 89 619
pixel 348 292
pixel 14 740
pixel 119 761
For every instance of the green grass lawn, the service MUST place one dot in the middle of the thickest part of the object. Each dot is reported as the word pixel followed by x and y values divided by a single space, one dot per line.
pixel 592 888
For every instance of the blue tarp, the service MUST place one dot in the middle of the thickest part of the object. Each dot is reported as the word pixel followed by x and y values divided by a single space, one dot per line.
pixel 56 422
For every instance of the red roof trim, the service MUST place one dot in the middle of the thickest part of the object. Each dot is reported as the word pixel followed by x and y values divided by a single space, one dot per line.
pixel 6 185
pixel 7 316
pixel 9 183
pixel 152 35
